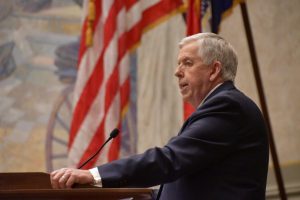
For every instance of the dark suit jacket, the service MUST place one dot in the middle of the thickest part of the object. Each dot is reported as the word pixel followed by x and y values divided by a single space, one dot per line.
pixel 220 153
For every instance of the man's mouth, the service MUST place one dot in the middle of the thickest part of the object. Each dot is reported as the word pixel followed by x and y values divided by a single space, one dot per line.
pixel 182 86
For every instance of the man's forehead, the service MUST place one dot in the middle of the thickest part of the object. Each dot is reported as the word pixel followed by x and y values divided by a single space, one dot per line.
pixel 191 45
pixel 189 50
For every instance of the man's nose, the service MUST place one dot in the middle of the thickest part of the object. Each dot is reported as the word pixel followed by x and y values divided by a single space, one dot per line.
pixel 178 71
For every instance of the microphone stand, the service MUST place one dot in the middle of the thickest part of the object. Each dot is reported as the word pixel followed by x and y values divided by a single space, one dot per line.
pixel 113 134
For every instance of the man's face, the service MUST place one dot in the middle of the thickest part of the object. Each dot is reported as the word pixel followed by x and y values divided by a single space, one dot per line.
pixel 193 76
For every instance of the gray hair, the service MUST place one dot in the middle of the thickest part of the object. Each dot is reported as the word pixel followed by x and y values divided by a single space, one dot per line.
pixel 213 47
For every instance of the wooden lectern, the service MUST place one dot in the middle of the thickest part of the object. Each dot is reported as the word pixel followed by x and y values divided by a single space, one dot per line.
pixel 36 186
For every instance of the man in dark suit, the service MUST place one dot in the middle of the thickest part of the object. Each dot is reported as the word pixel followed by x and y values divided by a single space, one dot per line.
pixel 221 151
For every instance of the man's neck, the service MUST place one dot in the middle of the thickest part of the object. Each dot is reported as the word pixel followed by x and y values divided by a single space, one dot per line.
pixel 211 91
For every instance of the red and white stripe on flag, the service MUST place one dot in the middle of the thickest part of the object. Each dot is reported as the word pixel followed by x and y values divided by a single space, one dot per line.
pixel 102 88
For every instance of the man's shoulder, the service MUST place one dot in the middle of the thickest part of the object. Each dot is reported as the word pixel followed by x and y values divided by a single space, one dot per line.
pixel 232 95
pixel 230 100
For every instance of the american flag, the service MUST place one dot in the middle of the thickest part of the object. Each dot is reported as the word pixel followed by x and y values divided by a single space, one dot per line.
pixel 103 85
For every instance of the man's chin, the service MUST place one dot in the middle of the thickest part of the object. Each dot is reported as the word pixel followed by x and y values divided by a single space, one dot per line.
pixel 185 99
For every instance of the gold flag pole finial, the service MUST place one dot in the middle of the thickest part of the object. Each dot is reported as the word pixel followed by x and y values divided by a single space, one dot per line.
pixel 90 22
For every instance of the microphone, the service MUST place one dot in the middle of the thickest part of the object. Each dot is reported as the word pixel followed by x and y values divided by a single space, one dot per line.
pixel 112 135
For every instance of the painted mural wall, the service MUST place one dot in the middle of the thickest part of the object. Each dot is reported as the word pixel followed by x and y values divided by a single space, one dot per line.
pixel 38 55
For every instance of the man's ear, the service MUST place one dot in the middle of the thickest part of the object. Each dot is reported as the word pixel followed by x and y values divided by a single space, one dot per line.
pixel 215 70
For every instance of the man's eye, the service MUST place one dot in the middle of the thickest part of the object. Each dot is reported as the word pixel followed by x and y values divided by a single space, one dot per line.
pixel 185 63
pixel 188 63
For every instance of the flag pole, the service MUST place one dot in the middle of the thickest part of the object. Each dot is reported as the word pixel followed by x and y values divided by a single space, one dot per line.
pixel 262 99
